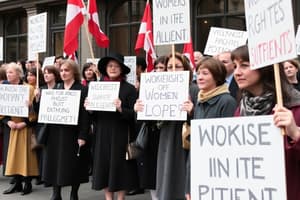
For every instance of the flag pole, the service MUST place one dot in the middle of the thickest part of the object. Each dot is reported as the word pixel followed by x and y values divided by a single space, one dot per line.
pixel 278 89
pixel 37 70
pixel 87 33
pixel 173 57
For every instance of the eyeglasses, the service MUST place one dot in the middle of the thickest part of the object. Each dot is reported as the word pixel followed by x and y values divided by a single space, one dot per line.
pixel 169 67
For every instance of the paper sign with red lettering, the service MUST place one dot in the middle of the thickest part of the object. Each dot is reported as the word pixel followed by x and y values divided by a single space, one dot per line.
pixel 163 94
pixel 271 35
pixel 237 158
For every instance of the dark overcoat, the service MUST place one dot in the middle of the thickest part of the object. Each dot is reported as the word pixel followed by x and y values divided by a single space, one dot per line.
pixel 111 169
pixel 61 164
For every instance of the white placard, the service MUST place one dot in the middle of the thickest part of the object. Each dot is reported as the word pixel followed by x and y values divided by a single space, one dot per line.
pixel 101 95
pixel 171 22
pixel 298 40
pixel 163 94
pixel 1 48
pixel 37 34
pixel 93 60
pixel 48 61
pixel 237 158
pixel 59 106
pixel 223 39
pixel 271 35
pixel 14 100
pixel 130 61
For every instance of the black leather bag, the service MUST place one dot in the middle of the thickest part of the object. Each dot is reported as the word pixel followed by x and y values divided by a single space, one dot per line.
pixel 133 151
pixel 142 138
pixel 42 134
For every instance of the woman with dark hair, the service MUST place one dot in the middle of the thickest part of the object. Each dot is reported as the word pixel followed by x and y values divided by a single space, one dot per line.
pixel 147 162
pixel 31 77
pixel 61 164
pixel 160 64
pixel 291 69
pixel 170 180
pixel 51 77
pixel 112 172
pixel 259 98
pixel 214 99
pixel 88 74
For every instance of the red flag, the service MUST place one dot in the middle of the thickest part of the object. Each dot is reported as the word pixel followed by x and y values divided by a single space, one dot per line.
pixel 94 27
pixel 188 51
pixel 74 19
pixel 145 38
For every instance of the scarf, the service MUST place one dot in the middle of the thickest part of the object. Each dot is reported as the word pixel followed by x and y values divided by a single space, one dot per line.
pixel 106 78
pixel 205 96
pixel 258 105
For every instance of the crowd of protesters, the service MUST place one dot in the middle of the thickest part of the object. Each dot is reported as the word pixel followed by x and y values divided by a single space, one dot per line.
pixel 224 86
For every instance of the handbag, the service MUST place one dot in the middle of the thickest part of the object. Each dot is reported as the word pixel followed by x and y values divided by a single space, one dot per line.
pixel 186 132
pixel 33 142
pixel 142 138
pixel 132 150
pixel 42 134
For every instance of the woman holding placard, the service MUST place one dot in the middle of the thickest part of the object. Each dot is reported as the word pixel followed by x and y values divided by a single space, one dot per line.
pixel 112 172
pixel 50 76
pixel 66 156
pixel 171 157
pixel 21 161
pixel 259 98
pixel 214 99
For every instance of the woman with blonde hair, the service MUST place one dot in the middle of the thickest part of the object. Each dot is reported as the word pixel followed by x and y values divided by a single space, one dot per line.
pixel 21 162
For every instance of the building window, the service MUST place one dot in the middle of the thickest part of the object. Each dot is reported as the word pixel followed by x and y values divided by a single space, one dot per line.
pixel 57 28
pixel 15 37
pixel 124 26
pixel 217 13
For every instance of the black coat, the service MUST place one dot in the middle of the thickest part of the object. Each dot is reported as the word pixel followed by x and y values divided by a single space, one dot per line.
pixel 61 164
pixel 111 170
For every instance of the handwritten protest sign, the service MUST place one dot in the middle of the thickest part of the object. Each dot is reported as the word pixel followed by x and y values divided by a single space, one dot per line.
pixel 37 34
pixel 298 40
pixel 93 60
pixel 163 94
pixel 171 22
pixel 223 39
pixel 48 61
pixel 130 61
pixel 271 36
pixel 101 95
pixel 245 159
pixel 14 100
pixel 59 106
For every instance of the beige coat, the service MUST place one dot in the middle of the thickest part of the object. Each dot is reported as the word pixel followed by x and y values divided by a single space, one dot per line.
pixel 21 160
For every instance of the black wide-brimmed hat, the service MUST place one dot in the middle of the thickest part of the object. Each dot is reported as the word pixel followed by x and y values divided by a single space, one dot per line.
pixel 112 56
